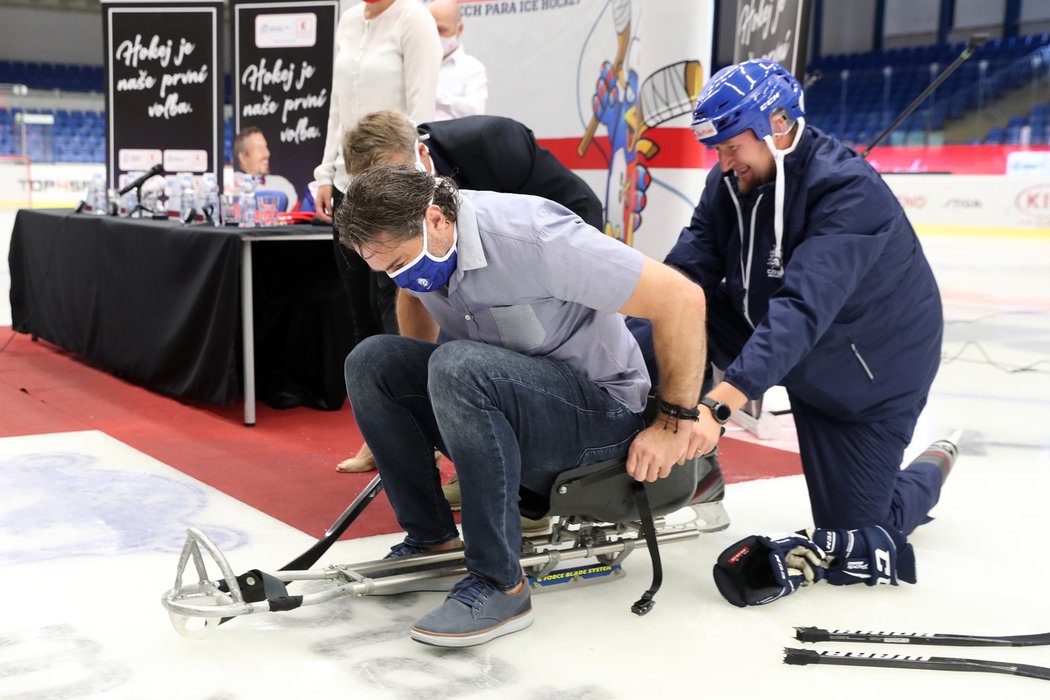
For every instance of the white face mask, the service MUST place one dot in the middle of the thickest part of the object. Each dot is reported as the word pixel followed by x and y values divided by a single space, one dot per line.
pixel 449 44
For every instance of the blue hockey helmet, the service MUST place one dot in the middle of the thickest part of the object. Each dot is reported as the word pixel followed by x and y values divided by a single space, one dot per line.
pixel 742 97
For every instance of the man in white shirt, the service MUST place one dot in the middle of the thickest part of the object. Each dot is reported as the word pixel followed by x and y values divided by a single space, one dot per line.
pixel 253 157
pixel 462 83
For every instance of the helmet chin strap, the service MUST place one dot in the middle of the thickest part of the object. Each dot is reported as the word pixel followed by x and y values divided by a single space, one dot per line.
pixel 778 196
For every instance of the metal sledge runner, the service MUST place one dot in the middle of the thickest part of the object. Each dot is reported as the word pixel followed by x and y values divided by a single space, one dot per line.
pixel 602 515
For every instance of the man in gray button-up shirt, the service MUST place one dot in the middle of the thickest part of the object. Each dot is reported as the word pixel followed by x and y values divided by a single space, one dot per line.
pixel 538 373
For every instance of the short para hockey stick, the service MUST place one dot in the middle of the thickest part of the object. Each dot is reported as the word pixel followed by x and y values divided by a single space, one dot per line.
pixel 816 634
pixel 802 657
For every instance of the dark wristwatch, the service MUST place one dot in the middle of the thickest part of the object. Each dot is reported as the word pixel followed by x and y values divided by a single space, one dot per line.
pixel 719 410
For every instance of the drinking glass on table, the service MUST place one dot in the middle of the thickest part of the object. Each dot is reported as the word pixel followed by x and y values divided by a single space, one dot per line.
pixel 229 210
pixel 267 207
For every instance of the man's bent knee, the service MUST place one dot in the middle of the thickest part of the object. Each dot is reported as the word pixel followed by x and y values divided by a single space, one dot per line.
pixel 363 359
pixel 377 357
pixel 462 362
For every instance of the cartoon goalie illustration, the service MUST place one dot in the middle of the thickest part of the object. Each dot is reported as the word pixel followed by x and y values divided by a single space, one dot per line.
pixel 628 111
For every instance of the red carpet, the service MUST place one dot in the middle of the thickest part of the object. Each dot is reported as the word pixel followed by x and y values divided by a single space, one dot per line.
pixel 284 466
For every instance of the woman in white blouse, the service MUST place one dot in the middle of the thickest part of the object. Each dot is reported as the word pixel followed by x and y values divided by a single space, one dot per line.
pixel 388 56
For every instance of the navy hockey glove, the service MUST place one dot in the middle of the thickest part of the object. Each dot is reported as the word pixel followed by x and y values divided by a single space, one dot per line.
pixel 871 555
pixel 758 570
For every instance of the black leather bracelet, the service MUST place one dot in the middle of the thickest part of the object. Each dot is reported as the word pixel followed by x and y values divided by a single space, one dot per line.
pixel 675 411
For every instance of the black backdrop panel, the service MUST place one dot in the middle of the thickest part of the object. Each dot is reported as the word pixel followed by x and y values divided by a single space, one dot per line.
pixel 283 56
pixel 163 86
pixel 773 29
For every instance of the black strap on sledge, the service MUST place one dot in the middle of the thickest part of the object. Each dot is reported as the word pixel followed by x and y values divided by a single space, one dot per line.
pixel 258 585
pixel 646 602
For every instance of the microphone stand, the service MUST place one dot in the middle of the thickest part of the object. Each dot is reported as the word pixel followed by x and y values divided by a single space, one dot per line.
pixel 140 208
pixel 138 204
pixel 975 41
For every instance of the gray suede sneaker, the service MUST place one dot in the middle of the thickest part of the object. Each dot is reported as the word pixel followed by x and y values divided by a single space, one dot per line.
pixel 475 612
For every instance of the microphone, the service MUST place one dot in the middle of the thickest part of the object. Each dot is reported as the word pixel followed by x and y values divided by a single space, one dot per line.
pixel 157 169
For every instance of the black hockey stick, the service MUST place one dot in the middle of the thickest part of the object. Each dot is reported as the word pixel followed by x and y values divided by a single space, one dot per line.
pixel 972 45
pixel 816 634
pixel 333 533
pixel 803 657
pixel 336 529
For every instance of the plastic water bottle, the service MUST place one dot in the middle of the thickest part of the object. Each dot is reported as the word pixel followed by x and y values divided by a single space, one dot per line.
pixel 210 206
pixel 129 202
pixel 173 195
pixel 246 202
pixel 91 197
pixel 96 195
pixel 187 197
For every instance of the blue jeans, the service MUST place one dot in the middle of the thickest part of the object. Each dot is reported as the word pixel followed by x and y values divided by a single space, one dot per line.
pixel 505 419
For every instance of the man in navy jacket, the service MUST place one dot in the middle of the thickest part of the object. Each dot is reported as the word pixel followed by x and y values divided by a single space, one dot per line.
pixel 815 280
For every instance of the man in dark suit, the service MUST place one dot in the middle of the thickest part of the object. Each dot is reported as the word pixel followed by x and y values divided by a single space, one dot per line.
pixel 478 152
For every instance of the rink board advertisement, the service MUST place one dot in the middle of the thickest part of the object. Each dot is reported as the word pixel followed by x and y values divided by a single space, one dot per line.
pixel 609 87
pixel 993 204
pixel 969 202
pixel 283 53
pixel 163 86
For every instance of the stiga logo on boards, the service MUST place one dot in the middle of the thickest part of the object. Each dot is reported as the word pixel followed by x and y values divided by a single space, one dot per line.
pixel 1034 200
pixel 961 203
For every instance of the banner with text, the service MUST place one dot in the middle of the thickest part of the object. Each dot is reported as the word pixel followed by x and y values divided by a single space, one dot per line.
pixel 776 30
pixel 609 87
pixel 283 55
pixel 163 86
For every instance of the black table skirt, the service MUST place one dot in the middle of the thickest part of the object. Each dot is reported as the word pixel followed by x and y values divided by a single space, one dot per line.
pixel 158 303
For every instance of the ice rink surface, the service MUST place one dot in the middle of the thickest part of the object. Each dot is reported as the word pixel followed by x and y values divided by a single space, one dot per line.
pixel 90 532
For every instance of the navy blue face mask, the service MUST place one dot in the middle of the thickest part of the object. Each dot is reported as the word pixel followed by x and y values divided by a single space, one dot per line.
pixel 426 272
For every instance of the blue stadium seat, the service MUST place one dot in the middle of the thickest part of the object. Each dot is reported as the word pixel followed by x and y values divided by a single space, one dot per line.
pixel 995 135
pixel 1006 67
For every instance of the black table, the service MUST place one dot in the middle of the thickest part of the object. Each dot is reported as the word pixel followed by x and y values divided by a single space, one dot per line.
pixel 166 305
